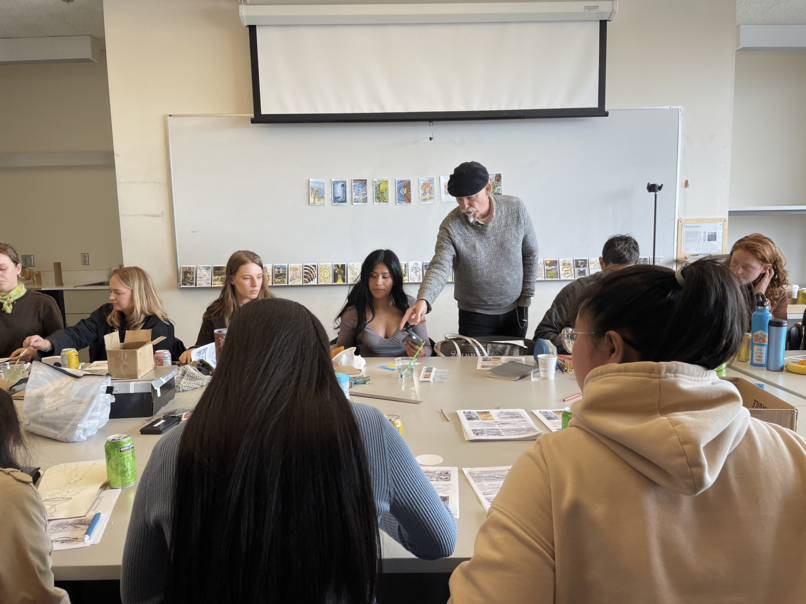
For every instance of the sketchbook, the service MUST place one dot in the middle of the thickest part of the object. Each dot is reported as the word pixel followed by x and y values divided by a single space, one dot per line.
pixel 68 490
pixel 512 371
pixel 497 424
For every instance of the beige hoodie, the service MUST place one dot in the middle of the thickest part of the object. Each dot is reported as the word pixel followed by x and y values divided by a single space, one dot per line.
pixel 663 489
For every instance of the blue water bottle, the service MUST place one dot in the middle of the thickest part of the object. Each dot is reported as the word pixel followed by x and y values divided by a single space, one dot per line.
pixel 775 351
pixel 758 332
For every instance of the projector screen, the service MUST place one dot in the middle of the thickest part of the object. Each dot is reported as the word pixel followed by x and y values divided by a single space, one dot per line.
pixel 407 72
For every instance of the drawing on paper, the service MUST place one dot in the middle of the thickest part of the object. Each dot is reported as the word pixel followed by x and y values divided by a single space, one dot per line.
pixel 339 192
pixel 415 271
pixel 381 190
pixel 540 275
pixel 280 274
pixel 359 191
pixel 404 268
pixel 443 181
pixel 580 267
pixel 594 266
pixel 204 275
pixel 566 268
pixel 425 266
pixel 219 274
pixel 353 272
pixel 188 276
pixel 295 274
pixel 309 274
pixel 403 189
pixel 316 192
pixel 497 181
pixel 427 190
pixel 325 274
pixel 552 268
pixel 339 273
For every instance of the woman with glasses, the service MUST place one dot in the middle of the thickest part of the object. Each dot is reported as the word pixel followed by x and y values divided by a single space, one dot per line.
pixel 759 265
pixel 662 488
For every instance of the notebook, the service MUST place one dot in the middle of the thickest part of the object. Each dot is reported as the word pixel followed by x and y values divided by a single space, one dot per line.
pixel 512 371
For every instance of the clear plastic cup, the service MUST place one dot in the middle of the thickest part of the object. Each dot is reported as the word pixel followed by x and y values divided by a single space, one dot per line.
pixel 405 367
pixel 12 372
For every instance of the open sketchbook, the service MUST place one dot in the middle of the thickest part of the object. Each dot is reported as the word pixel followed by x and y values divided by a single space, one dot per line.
pixel 486 482
pixel 446 483
pixel 68 490
pixel 497 424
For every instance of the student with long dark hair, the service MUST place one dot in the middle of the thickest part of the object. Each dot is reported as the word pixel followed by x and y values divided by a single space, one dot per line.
pixel 274 489
pixel 662 488
pixel 375 305
pixel 245 280
pixel 25 547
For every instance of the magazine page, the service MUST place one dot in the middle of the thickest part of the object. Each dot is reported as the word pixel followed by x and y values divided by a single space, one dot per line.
pixel 497 424
pixel 486 482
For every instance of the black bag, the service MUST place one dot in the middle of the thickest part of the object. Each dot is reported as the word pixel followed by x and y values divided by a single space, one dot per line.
pixel 455 345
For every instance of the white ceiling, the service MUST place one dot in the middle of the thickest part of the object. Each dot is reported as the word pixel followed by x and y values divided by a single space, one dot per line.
pixel 33 18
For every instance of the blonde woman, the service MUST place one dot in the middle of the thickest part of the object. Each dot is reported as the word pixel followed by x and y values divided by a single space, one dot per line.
pixel 22 311
pixel 245 281
pixel 134 304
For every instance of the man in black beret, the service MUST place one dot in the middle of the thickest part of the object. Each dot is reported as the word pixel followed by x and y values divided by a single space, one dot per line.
pixel 490 243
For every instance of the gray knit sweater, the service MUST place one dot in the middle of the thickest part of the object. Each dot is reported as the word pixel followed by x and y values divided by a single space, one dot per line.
pixel 494 264
pixel 408 507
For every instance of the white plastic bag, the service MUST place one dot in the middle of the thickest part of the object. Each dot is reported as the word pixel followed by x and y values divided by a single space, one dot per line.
pixel 64 406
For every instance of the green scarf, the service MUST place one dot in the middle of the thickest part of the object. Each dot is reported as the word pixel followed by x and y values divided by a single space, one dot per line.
pixel 8 299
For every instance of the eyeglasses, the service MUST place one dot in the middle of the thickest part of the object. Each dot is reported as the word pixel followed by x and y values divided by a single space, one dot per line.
pixel 569 336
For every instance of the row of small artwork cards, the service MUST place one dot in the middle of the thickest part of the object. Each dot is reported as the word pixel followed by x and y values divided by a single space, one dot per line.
pixel 565 269
pixel 205 275
pixel 357 190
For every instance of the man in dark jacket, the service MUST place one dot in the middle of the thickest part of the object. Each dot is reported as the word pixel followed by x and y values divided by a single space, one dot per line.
pixel 618 251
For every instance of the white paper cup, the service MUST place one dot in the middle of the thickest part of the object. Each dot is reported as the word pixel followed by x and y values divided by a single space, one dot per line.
pixel 548 365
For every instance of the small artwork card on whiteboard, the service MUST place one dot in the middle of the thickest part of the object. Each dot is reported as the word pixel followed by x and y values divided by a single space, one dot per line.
pixel 340 273
pixel 594 265
pixel 415 271
pixel 566 269
pixel 204 275
pixel 580 267
pixel 643 260
pixel 188 275
pixel 658 260
pixel 325 274
pixel 403 192
pixel 316 192
pixel 497 181
pixel 404 268
pixel 427 190
pixel 540 274
pixel 309 274
pixel 360 192
pixel 353 272
pixel 295 274
pixel 219 275
pixel 280 274
pixel 380 190
pixel 339 190
pixel 425 266
pixel 552 268
pixel 443 187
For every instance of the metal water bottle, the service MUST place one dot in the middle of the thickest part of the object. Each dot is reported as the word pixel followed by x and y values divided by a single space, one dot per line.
pixel 777 344
pixel 758 332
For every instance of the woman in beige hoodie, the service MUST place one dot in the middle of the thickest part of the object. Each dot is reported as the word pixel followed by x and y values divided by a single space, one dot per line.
pixel 663 488
pixel 25 564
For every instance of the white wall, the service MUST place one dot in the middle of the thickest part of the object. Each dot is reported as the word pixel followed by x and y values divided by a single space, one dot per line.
pixel 58 213
pixel 769 149
pixel 192 57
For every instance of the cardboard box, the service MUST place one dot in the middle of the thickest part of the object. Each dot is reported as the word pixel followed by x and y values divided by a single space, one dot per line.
pixel 132 358
pixel 765 406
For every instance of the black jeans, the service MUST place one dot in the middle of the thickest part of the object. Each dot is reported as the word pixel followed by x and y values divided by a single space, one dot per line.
pixel 475 324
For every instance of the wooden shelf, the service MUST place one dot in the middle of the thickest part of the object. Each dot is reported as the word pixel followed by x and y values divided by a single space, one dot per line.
pixel 767 211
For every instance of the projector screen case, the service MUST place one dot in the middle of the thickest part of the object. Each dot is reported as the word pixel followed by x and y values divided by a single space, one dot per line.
pixel 435 71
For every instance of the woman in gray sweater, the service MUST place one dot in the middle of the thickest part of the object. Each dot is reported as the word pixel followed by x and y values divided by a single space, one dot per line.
pixel 275 488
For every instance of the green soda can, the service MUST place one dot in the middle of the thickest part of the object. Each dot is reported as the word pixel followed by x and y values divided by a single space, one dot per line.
pixel 121 470
pixel 566 417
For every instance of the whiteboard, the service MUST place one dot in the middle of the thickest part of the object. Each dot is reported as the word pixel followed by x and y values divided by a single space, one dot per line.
pixel 238 185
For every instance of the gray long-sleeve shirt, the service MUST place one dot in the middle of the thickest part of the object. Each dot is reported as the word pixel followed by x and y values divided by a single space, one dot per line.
pixel 558 316
pixel 494 264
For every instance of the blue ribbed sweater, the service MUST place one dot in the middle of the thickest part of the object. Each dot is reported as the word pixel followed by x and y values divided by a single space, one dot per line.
pixel 409 509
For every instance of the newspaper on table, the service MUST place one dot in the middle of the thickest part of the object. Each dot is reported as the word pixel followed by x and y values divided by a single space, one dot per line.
pixel 485 363
pixel 486 482
pixel 552 418
pixel 205 353
pixel 446 483
pixel 497 424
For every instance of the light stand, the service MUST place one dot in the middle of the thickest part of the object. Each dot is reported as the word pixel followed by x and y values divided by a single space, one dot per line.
pixel 654 188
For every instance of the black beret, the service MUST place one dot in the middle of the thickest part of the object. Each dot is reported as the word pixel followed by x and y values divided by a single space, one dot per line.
pixel 468 179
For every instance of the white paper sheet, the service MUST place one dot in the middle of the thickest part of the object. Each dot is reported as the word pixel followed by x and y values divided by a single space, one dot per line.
pixel 68 490
pixel 702 238
pixel 486 482
pixel 551 418
pixel 205 353
pixel 486 363
pixel 69 533
pixel 497 424
pixel 446 483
